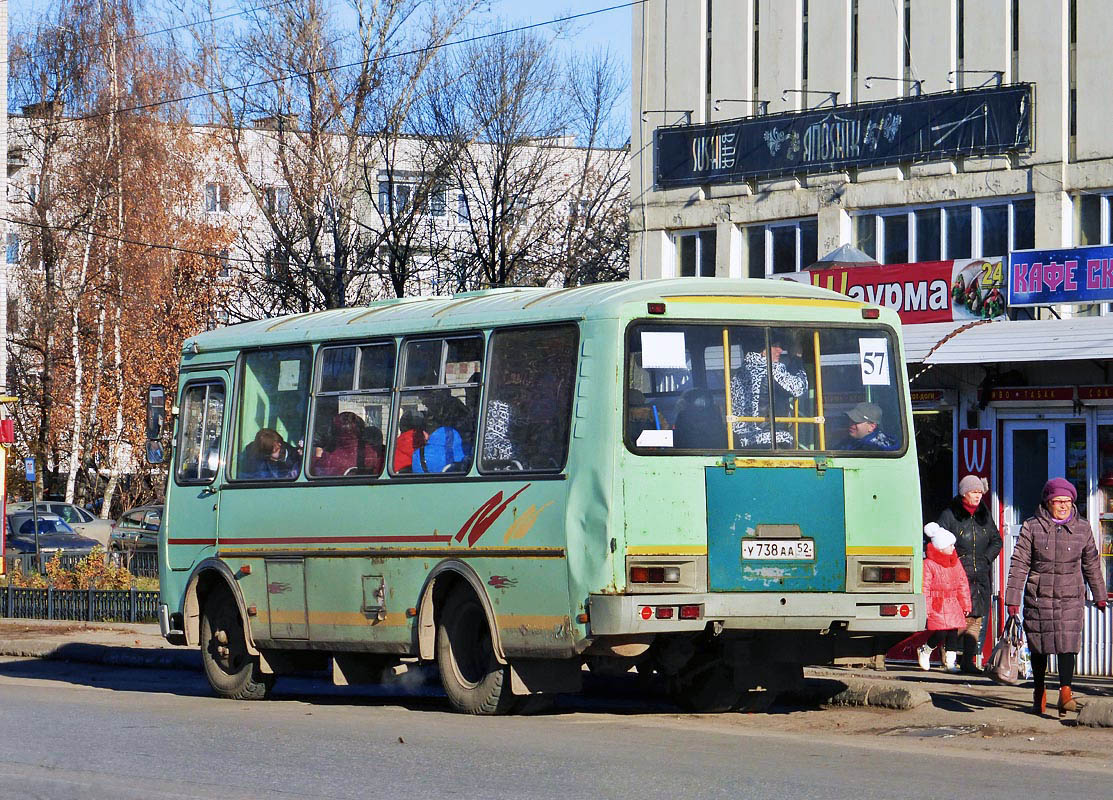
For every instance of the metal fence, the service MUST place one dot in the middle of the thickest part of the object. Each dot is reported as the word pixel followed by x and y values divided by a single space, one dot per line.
pixel 87 605
pixel 141 563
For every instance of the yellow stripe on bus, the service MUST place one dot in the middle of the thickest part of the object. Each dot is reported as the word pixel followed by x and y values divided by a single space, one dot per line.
pixel 667 550
pixel 895 550
pixel 813 302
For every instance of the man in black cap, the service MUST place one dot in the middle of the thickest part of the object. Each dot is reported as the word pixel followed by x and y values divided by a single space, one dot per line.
pixel 864 432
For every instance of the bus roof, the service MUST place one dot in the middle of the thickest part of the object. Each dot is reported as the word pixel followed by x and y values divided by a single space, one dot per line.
pixel 500 306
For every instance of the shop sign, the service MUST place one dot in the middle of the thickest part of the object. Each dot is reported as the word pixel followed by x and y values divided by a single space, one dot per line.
pixel 1095 392
pixel 1047 277
pixel 928 291
pixel 931 127
pixel 926 398
pixel 975 453
pixel 1031 394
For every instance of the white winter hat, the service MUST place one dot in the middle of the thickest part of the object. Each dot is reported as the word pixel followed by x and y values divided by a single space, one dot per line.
pixel 940 536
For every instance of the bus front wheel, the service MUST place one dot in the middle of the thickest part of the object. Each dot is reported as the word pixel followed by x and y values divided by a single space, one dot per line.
pixel 473 679
pixel 231 670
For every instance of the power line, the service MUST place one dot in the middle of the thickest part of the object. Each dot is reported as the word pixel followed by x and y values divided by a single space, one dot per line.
pixel 338 67
pixel 108 237
pixel 161 31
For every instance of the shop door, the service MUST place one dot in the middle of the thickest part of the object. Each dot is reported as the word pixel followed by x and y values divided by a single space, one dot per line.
pixel 1034 452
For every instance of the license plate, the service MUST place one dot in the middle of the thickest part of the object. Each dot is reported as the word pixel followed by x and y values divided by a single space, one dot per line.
pixel 778 549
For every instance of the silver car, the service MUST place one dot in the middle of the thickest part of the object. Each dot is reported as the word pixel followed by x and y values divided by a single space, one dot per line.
pixel 82 521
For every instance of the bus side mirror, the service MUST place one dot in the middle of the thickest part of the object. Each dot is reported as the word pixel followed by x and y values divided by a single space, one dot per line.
pixel 156 421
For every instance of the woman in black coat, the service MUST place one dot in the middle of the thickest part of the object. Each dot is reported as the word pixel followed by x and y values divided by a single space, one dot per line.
pixel 978 543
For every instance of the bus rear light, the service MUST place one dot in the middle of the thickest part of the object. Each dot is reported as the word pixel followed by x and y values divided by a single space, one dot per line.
pixel 871 313
pixel 888 611
pixel 665 612
pixel 689 612
pixel 878 574
pixel 655 308
pixel 654 574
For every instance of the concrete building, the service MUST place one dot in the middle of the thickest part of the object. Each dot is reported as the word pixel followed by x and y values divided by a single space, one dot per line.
pixel 943 136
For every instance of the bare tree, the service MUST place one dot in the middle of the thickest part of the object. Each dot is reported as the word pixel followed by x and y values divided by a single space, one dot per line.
pixel 300 98
pixel 535 202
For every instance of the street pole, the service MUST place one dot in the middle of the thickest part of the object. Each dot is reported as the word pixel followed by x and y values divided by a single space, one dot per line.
pixel 29 471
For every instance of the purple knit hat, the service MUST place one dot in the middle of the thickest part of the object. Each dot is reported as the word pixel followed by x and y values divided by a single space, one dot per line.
pixel 1059 487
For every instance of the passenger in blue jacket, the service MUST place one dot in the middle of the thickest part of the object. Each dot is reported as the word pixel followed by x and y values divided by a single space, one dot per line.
pixel 864 431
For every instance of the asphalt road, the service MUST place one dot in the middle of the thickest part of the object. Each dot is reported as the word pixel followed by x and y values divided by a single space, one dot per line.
pixel 81 731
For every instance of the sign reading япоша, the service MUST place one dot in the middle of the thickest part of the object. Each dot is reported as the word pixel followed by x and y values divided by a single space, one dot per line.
pixel 931 127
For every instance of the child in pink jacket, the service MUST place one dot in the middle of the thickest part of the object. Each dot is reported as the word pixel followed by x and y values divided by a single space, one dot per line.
pixel 947 596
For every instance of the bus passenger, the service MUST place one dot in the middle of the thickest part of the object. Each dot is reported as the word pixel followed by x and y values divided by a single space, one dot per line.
pixel 699 422
pixel 348 447
pixel 268 457
pixel 412 436
pixel 864 432
pixel 749 393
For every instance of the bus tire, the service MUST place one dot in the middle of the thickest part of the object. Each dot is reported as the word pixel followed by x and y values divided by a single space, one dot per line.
pixel 706 687
pixel 231 670
pixel 473 679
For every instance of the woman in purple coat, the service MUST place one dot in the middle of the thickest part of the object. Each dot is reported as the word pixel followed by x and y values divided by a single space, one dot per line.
pixel 1054 559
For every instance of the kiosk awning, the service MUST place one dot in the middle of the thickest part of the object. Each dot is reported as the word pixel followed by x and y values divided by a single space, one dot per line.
pixel 983 342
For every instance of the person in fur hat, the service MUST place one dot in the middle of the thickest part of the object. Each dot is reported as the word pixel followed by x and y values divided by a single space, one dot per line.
pixel 978 543
pixel 947 596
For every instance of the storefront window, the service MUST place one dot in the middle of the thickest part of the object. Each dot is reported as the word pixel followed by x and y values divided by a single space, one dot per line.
pixel 958 232
pixel 792 246
pixel 936 453
pixel 1024 225
pixel 1105 499
pixel 695 254
pixel 928 234
pixel 865 234
pixel 896 239
pixel 995 230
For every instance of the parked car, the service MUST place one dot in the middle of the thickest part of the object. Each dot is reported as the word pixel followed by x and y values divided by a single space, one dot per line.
pixel 55 535
pixel 78 518
pixel 136 529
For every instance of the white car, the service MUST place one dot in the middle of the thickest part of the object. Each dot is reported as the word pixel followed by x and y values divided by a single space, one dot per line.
pixel 83 522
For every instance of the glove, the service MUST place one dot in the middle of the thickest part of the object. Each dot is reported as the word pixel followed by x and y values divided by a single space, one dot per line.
pixel 1101 605
pixel 1014 611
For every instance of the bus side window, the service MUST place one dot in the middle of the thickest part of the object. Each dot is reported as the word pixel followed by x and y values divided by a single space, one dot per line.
pixel 201 421
pixel 350 410
pixel 438 405
pixel 273 411
pixel 529 406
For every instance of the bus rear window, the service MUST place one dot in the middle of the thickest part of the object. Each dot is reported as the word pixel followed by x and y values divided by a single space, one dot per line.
pixel 712 387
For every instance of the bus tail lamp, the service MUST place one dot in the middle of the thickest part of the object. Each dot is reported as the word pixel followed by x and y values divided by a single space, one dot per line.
pixel 893 610
pixel 690 612
pixel 878 574
pixel 664 612
pixel 871 313
pixel 655 308
pixel 654 574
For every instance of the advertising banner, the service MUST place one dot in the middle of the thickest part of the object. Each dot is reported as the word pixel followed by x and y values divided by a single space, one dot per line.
pixel 930 127
pixel 929 291
pixel 1046 277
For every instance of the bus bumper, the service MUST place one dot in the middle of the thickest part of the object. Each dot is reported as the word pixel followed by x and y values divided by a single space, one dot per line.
pixel 612 615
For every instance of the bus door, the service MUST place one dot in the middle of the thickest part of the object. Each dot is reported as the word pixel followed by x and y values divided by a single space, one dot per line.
pixel 194 505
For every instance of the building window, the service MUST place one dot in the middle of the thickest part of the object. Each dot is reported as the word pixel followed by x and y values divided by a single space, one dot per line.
pixel 395 201
pixel 13 248
pixel 947 232
pixel 216 198
pixel 224 266
pixel 777 249
pixel 463 213
pixel 695 254
pixel 277 199
pixel 438 202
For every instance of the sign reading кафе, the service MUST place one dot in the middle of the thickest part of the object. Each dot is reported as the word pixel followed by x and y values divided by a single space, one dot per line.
pixel 926 128
pixel 1047 277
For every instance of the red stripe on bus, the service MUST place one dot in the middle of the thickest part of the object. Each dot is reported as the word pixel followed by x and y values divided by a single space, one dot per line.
pixel 342 539
pixel 191 541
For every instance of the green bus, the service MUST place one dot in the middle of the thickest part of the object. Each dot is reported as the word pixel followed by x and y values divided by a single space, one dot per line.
pixel 711 481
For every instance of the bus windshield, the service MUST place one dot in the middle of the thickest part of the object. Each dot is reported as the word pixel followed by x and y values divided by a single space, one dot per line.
pixel 712 387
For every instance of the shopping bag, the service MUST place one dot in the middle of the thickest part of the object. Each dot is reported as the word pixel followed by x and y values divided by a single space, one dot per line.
pixel 1004 661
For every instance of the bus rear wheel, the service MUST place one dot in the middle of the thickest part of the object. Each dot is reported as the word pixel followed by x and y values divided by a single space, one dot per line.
pixel 231 670
pixel 473 679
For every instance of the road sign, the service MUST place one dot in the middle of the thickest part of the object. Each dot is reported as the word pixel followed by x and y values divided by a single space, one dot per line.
pixel 29 468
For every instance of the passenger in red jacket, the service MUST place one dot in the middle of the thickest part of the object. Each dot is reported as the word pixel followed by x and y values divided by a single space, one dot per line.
pixel 947 596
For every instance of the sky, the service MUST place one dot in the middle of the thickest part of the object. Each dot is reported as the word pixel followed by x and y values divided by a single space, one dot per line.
pixel 610 29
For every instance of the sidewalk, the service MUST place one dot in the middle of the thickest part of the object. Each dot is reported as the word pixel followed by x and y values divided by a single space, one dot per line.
pixel 929 698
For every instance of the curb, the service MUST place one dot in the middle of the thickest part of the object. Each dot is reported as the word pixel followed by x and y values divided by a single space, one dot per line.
pixel 85 653
pixel 1097 713
pixel 859 692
